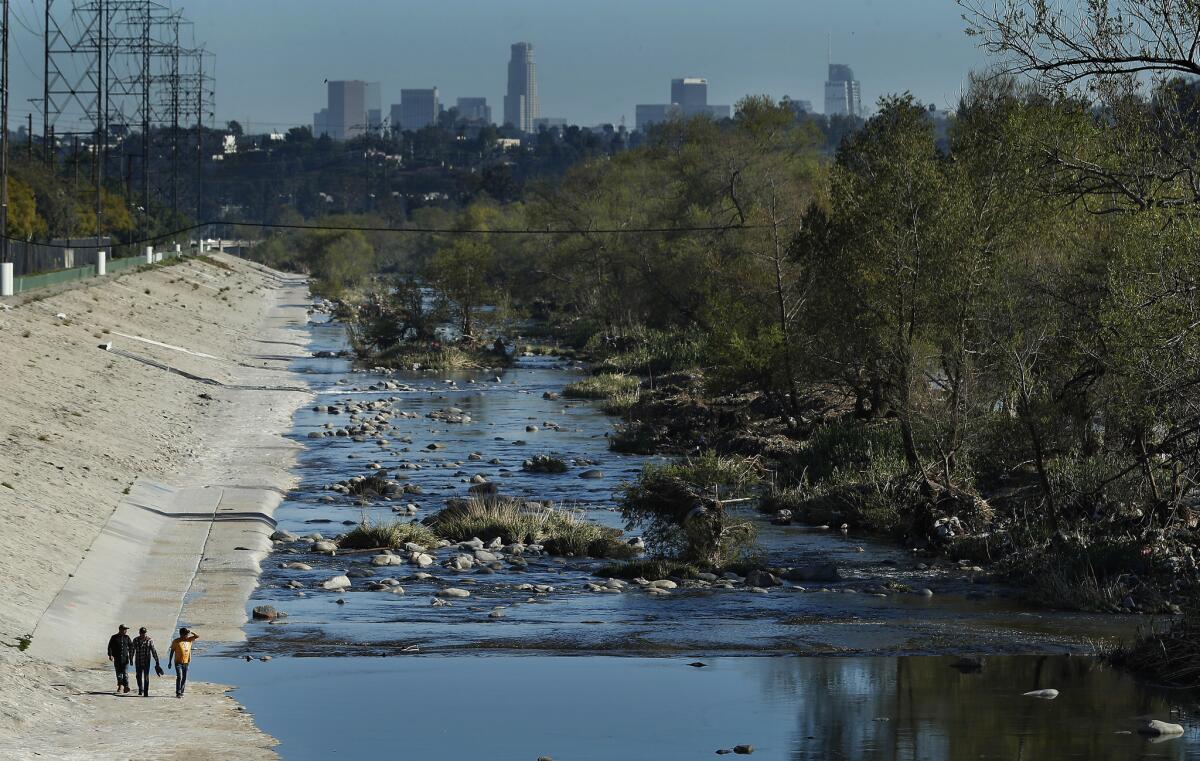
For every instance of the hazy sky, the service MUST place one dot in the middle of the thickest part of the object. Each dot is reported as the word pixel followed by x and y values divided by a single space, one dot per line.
pixel 596 58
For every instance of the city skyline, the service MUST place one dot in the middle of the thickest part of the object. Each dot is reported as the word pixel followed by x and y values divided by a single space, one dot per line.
pixel 595 64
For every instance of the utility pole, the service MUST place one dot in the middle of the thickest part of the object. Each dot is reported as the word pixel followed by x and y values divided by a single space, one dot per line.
pixel 4 250
pixel 29 134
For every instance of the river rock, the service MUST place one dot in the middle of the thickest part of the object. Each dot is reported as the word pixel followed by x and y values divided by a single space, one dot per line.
pixel 283 536
pixel 592 473
pixel 472 544
pixel 485 489
pixel 296 566
pixel 387 559
pixel 1048 694
pixel 782 518
pixel 420 559
pixel 483 556
pixel 454 592
pixel 1155 728
pixel 336 583
pixel 662 584
pixel 266 613
pixel 461 562
pixel 762 579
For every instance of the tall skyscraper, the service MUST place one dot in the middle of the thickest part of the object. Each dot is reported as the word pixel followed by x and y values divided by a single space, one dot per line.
pixel 321 123
pixel 521 105
pixel 842 94
pixel 346 115
pixel 474 110
pixel 690 94
pixel 418 109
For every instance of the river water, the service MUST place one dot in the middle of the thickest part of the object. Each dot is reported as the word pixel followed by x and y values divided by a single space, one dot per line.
pixel 578 674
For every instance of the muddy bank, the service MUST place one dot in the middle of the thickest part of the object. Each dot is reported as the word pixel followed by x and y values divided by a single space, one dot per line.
pixel 142 460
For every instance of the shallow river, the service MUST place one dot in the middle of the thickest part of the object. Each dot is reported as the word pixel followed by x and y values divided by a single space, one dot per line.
pixel 575 674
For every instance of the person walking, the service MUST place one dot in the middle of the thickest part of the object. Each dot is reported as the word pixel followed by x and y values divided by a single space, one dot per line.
pixel 143 651
pixel 181 655
pixel 120 652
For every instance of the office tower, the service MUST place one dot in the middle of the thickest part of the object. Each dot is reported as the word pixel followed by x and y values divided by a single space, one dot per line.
pixel 474 110
pixel 418 109
pixel 690 94
pixel 648 114
pixel 842 94
pixel 347 110
pixel 374 107
pixel 321 122
pixel 521 105
pixel 689 97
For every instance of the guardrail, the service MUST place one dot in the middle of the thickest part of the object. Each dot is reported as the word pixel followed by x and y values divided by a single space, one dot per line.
pixel 11 285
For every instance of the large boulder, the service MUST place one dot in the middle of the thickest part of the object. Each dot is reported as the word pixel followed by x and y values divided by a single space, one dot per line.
pixel 266 613
pixel 759 578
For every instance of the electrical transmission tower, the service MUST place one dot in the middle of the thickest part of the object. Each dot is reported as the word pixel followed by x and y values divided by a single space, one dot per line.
pixel 119 69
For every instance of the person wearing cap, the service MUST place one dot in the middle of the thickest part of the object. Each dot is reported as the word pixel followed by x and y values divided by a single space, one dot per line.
pixel 120 652
pixel 143 651
pixel 181 654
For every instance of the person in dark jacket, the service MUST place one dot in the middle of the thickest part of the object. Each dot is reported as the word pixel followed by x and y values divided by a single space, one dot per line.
pixel 143 652
pixel 120 652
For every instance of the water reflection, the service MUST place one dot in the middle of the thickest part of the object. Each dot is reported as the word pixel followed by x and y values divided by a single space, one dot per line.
pixel 604 708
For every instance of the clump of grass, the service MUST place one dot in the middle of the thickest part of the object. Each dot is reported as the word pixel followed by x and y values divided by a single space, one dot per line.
pixel 445 358
pixel 620 404
pixel 650 352
pixel 1169 656
pixel 544 463
pixel 604 386
pixel 367 535
pixel 517 521
pixel 650 568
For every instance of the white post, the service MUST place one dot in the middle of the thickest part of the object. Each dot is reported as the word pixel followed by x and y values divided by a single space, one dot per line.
pixel 6 278
pixel 158 256
pixel 149 254
pixel 101 263
pixel 221 245
pixel 68 258
pixel 178 249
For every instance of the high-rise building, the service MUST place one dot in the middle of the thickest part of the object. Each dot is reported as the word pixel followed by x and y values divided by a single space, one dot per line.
pixel 648 114
pixel 346 116
pixel 418 109
pixel 689 97
pixel 374 107
pixel 474 110
pixel 690 94
pixel 843 96
pixel 521 105
pixel 321 123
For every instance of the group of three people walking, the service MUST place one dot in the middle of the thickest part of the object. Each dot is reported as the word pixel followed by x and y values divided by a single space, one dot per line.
pixel 139 651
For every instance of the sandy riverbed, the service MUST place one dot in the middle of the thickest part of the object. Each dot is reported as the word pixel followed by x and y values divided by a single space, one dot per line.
pixel 127 497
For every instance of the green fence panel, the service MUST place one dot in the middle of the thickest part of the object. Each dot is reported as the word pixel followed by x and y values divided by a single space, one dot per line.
pixel 46 279
pixel 25 283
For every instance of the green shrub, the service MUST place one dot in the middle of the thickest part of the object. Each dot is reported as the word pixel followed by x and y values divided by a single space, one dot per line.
pixel 680 507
